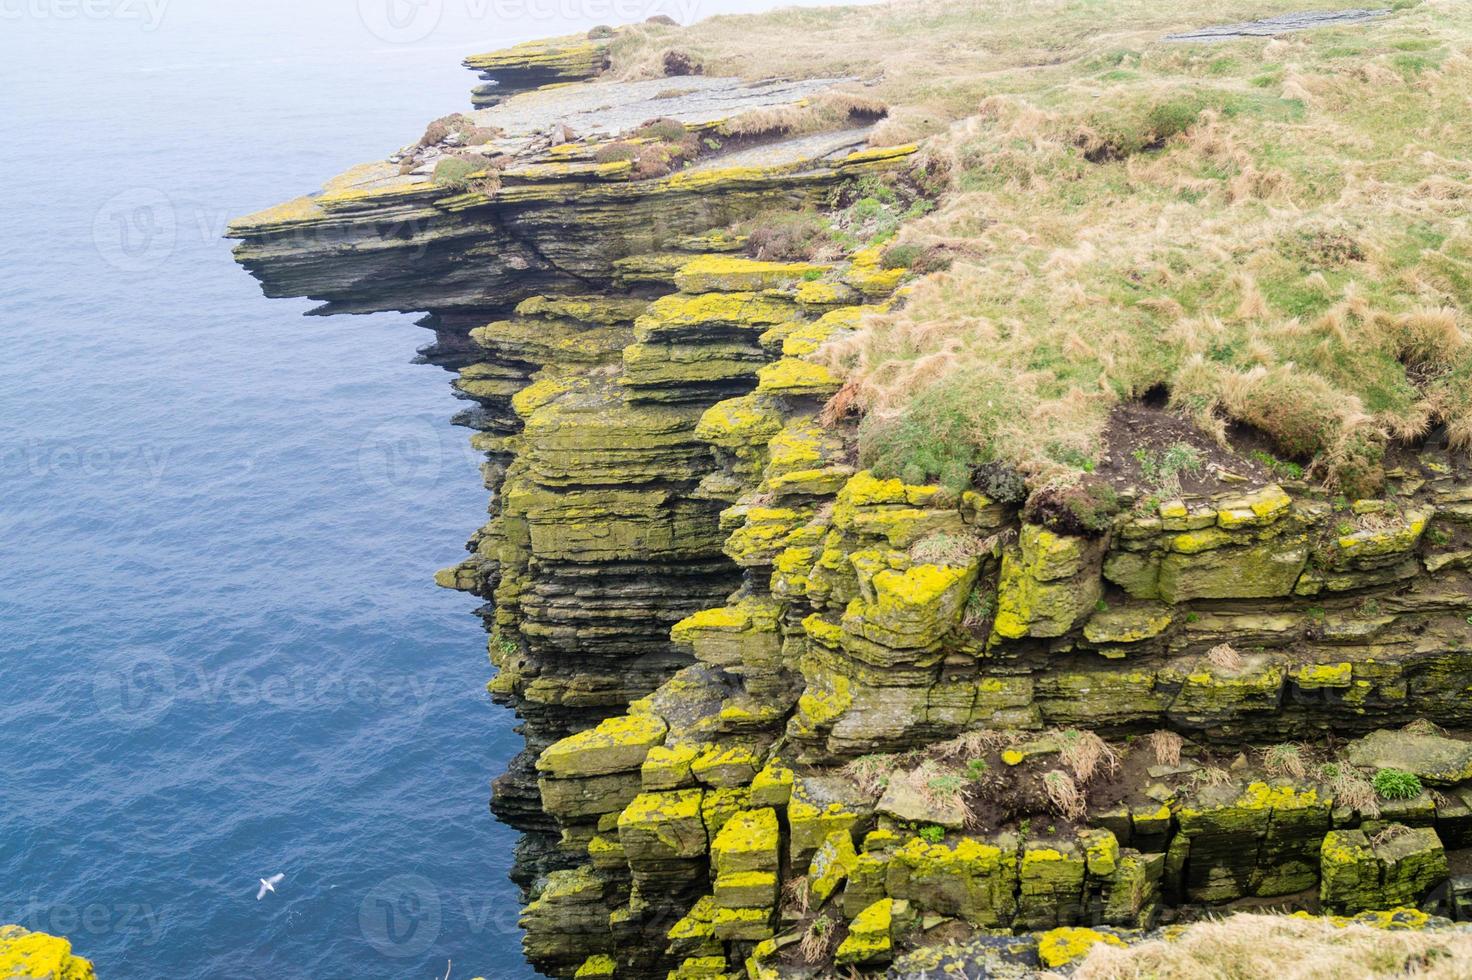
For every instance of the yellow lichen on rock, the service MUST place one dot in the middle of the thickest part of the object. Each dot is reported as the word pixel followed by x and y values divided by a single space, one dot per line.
pixel 1062 946
pixel 26 955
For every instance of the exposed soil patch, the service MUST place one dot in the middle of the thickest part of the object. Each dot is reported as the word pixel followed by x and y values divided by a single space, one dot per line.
pixel 1144 442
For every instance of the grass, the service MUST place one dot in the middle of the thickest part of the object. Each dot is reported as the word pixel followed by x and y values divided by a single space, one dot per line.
pixel 1064 794
pixel 1285 759
pixel 1224 656
pixel 1396 784
pixel 1240 947
pixel 1163 469
pixel 1273 229
pixel 818 939
pixel 1086 754
pixel 1351 789
pixel 1167 747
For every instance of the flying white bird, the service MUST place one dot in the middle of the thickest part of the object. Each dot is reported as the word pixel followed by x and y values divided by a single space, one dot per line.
pixel 269 885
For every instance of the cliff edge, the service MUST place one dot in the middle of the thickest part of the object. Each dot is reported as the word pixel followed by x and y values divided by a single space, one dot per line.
pixel 973 538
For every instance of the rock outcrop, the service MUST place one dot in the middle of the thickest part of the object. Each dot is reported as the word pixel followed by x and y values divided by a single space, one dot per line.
pixel 25 955
pixel 781 713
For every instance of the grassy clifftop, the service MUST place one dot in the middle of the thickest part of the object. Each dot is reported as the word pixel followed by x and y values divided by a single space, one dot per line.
pixel 1271 232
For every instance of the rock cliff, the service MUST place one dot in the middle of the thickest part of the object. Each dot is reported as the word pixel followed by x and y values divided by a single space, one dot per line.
pixel 782 714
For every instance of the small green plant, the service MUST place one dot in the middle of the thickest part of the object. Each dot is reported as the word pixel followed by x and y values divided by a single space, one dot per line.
pixel 1344 528
pixel 1278 467
pixel 1001 482
pixel 1396 784
pixel 454 172
pixel 788 236
pixel 615 152
pixel 666 130
pixel 976 768
pixel 899 256
pixel 1163 469
pixel 932 834
pixel 946 785
pixel 1438 537
pixel 980 605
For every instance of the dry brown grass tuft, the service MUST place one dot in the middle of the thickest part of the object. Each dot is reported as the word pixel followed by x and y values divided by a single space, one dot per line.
pixel 1167 747
pixel 1351 788
pixel 1085 753
pixel 1224 657
pixel 1240 947
pixel 818 939
pixel 831 110
pixel 1389 833
pixel 1211 776
pixel 795 895
pixel 872 773
pixel 1285 759
pixel 969 745
pixel 948 549
pixel 1064 794
pixel 1424 726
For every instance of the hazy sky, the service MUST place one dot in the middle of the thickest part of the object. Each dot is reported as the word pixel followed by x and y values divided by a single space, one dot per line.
pixel 160 30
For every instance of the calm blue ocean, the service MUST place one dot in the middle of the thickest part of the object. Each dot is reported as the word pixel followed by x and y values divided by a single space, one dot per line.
pixel 221 652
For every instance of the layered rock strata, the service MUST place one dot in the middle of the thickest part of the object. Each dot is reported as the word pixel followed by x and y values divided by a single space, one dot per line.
pixel 770 697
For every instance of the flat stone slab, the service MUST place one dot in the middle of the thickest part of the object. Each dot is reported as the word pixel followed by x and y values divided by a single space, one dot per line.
pixel 1435 759
pixel 1282 24
pixel 905 803
pixel 604 108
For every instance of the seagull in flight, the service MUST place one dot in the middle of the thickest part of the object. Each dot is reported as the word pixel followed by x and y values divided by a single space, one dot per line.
pixel 269 885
